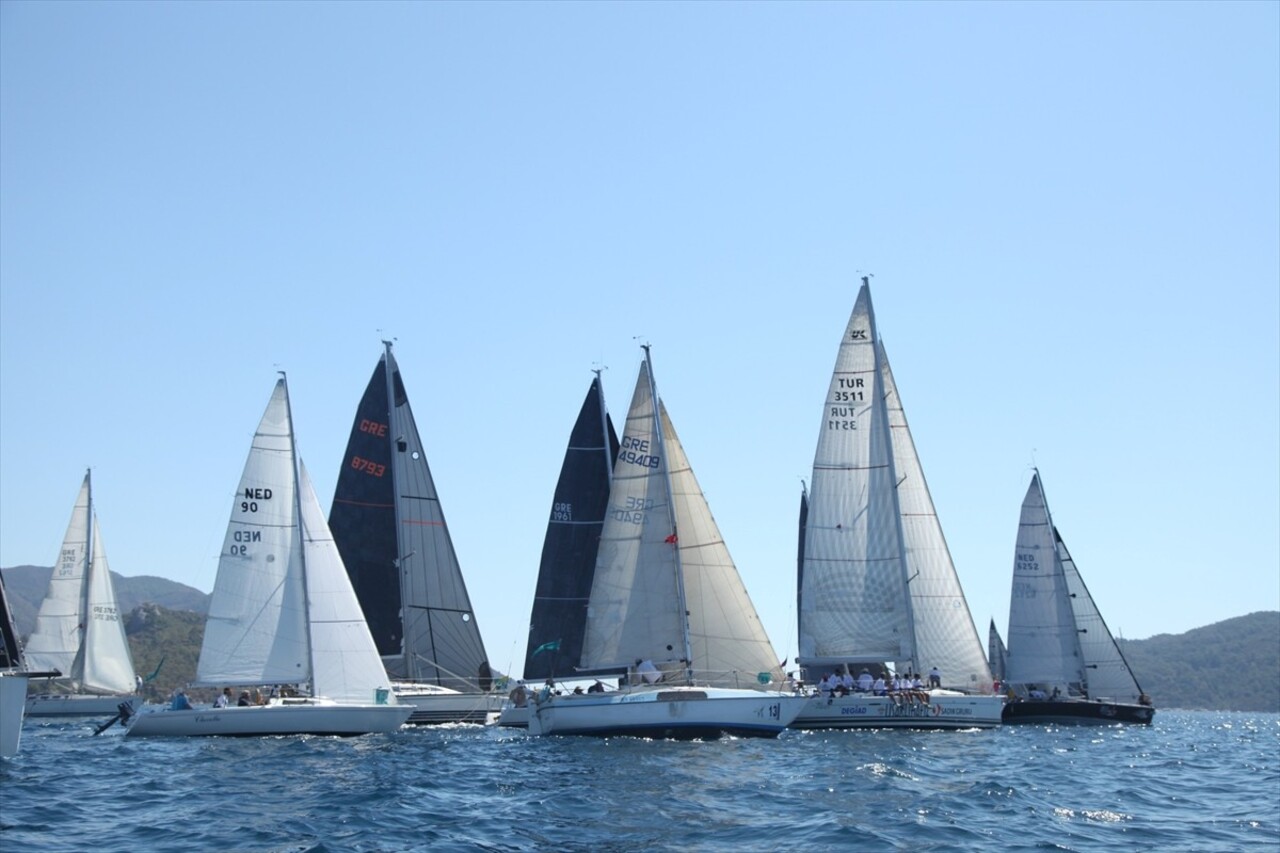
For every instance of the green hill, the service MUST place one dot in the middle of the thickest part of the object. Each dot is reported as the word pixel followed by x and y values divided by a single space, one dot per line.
pixel 26 586
pixel 1233 665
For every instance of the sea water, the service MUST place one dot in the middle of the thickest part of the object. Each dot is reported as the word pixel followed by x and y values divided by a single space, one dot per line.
pixel 1194 781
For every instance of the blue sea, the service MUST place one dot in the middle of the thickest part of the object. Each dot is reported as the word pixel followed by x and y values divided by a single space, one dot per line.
pixel 1194 781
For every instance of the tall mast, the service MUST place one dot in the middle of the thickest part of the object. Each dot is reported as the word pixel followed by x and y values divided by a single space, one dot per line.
pixel 300 535
pixel 410 659
pixel 671 515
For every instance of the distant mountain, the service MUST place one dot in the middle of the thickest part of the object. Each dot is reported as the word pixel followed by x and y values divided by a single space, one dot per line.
pixel 26 586
pixel 1233 665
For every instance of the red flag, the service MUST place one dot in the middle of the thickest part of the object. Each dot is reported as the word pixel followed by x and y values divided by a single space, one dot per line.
pixel 670 540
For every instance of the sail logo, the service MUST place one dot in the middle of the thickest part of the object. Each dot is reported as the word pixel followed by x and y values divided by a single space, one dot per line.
pixel 635 451
pixel 858 335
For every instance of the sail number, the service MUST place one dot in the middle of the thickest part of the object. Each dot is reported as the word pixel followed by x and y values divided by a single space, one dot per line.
pixel 251 498
pixel 635 451
pixel 368 466
pixel 562 512
pixel 373 428
pixel 634 510
pixel 1026 563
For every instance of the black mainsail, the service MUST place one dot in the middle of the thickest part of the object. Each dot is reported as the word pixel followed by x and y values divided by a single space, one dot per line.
pixel 559 617
pixel 387 521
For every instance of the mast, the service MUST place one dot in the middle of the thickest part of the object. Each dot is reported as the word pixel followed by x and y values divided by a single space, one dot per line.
pixel 410 659
pixel 298 535
pixel 606 446
pixel 671 517
pixel 86 584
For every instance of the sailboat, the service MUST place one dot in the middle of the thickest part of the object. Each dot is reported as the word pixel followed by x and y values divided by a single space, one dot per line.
pixel 997 654
pixel 13 681
pixel 1063 664
pixel 390 528
pixel 667 605
pixel 79 629
pixel 558 622
pixel 283 614
pixel 876 585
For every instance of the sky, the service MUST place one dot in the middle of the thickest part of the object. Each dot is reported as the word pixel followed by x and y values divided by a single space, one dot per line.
pixel 1070 213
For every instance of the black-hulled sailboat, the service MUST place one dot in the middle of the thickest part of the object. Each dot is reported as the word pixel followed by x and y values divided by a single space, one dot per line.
pixel 390 528
pixel 1062 664
pixel 559 618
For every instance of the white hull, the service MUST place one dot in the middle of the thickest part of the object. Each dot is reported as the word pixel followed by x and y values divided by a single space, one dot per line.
pixel 515 716
pixel 668 712
pixel 13 702
pixel 933 709
pixel 434 705
pixel 75 704
pixel 287 717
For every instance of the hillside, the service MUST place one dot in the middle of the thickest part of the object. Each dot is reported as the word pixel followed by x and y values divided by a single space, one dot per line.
pixel 1233 665
pixel 26 586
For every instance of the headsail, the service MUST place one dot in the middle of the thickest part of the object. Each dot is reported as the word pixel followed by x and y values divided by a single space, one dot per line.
pixel 943 627
pixel 345 662
pixel 390 529
pixel 997 656
pixel 558 621
pixel 1107 673
pixel 10 647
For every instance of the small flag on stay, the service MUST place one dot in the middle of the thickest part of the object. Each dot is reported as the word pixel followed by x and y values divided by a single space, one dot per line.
pixel 552 646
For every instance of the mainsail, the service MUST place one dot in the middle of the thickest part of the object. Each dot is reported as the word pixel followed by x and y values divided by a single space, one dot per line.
pixel 997 656
pixel 876 580
pixel 1043 645
pixel 256 631
pixel 665 587
pixel 558 621
pixel 390 529
pixel 79 630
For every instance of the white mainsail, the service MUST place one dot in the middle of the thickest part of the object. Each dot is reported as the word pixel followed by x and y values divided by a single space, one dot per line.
pixel 256 630
pixel 79 630
pixel 853 603
pixel 1043 645
pixel 661 557
pixel 876 582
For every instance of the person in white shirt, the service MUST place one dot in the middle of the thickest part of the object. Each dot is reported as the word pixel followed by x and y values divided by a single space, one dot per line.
pixel 224 698
pixel 864 681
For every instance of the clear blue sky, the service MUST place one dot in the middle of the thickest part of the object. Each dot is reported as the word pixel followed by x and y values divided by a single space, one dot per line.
pixel 1071 211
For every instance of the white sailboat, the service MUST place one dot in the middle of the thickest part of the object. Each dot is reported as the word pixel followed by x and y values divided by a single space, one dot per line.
pixel 390 529
pixel 283 613
pixel 667 603
pixel 1062 665
pixel 79 629
pixel 876 584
